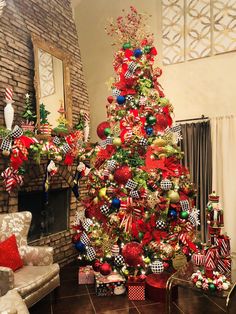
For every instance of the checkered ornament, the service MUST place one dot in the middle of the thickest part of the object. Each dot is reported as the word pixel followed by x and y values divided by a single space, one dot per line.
pixel 131 185
pixel 119 260
pixel 116 92
pixel 185 205
pixel 87 223
pixel 105 210
pixel 157 267
pixel 129 98
pixel 160 224
pixel 143 141
pixel 134 194
pixel 166 184
pixel 111 165
pixel 84 238
pixel 56 140
pixel 91 253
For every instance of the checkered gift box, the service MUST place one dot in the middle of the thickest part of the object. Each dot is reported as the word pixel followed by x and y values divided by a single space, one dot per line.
pixel 136 290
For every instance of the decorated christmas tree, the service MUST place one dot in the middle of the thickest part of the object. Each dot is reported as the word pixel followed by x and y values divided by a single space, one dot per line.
pixel 140 215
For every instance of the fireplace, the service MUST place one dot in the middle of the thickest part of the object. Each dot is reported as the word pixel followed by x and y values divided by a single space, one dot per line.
pixel 47 219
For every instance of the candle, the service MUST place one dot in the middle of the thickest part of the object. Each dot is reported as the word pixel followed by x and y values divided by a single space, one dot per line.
pixel 8 94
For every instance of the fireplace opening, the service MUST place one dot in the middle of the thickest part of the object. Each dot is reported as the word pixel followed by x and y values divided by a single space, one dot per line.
pixel 46 218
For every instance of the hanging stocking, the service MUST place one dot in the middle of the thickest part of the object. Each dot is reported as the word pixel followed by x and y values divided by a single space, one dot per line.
pixel 81 171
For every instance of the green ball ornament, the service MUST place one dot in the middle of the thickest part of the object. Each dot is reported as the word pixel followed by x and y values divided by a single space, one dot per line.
pixel 212 287
pixel 126 272
pixel 117 141
pixel 147 49
pixel 147 260
pixel 173 196
pixel 127 45
pixel 107 131
pixel 183 215
pixel 151 120
pixel 140 235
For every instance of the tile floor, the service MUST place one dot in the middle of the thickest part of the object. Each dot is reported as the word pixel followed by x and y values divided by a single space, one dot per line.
pixel 72 298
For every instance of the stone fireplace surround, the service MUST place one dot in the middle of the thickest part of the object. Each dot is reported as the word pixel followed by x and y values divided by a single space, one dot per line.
pixel 53 21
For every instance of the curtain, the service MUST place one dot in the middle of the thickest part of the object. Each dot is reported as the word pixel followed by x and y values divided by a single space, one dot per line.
pixel 196 145
pixel 224 170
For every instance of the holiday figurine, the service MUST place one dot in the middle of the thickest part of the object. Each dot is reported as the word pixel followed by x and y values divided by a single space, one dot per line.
pixel 45 127
pixel 214 212
pixel 9 110
pixel 61 128
pixel 28 115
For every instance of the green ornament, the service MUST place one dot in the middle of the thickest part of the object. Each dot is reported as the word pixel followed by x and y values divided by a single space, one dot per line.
pixel 126 272
pixel 127 45
pixel 140 235
pixel 212 287
pixel 151 120
pixel 183 215
pixel 107 131
pixel 147 49
pixel 147 260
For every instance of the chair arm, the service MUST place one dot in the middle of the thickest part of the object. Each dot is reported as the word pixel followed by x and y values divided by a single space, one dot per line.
pixel 36 255
pixel 6 280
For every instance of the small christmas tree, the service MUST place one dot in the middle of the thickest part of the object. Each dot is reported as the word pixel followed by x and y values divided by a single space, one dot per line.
pixel 28 115
pixel 61 128
pixel 45 127
pixel 140 214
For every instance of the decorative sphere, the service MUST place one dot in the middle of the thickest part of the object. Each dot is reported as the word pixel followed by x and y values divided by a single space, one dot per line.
pixel 140 235
pixel 225 286
pixel 151 120
pixel 212 287
pixel 157 267
pixel 132 253
pixel 137 53
pixel 105 269
pixel 96 265
pixel 147 260
pixel 110 99
pixel 117 141
pixel 173 196
pixel 115 203
pixel 107 131
pixel 80 246
pixel 159 142
pixel 101 128
pixel 127 45
pixel 172 214
pixel 6 153
pixel 183 214
pixel 166 184
pixel 120 100
pixel 122 174
pixel 58 158
pixel 149 130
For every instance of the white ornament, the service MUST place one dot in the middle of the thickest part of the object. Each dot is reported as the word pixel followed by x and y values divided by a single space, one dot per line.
pixel 157 267
pixel 9 114
pixel 225 286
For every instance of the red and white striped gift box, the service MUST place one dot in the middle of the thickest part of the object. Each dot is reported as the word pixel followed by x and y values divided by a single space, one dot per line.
pixel 224 265
pixel 198 259
pixel 211 259
pixel 136 290
pixel 223 243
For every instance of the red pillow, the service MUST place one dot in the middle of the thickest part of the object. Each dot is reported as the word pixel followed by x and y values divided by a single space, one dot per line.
pixel 9 254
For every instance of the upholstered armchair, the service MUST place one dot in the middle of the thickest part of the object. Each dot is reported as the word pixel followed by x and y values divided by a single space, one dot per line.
pixel 39 276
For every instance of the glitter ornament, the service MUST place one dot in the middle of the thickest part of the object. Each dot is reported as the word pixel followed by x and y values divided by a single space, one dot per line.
pixel 132 253
pixel 105 269
pixel 166 184
pixel 122 174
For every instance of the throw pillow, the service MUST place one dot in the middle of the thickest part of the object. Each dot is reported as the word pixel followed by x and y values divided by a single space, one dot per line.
pixel 9 254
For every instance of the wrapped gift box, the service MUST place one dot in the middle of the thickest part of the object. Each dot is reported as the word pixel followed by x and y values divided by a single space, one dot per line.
pixel 224 265
pixel 113 284
pixel 198 259
pixel 86 275
pixel 136 290
pixel 223 243
pixel 156 287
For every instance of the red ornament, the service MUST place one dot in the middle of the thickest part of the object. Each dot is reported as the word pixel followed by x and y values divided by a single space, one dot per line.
pixel 105 269
pixel 132 253
pixel 122 174
pixel 101 128
pixel 96 265
pixel 110 99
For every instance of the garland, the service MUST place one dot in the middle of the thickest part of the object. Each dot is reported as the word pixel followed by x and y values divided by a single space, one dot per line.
pixel 217 282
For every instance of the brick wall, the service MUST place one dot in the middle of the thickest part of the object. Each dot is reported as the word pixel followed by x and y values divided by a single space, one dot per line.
pixel 53 21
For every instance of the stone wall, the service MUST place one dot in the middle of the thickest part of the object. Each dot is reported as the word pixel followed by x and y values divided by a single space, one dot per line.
pixel 53 21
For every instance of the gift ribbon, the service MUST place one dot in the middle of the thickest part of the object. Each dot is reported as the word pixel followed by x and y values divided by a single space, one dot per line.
pixel 11 178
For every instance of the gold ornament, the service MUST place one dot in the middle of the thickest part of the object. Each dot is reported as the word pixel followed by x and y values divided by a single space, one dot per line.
pixel 173 196
pixel 160 142
pixel 166 250
pixel 102 193
pixel 6 153
pixel 179 261
pixel 117 141
pixel 152 199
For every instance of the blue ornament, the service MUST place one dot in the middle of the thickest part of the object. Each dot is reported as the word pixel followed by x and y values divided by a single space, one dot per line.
pixel 137 53
pixel 120 100
pixel 172 214
pixel 80 246
pixel 149 130
pixel 115 203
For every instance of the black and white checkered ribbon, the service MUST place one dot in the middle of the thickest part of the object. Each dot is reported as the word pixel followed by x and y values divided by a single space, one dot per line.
pixel 66 148
pixel 134 194
pixel 116 92
pixel 185 205
pixel 56 140
pixel 131 184
pixel 111 165
pixel 107 141
pixel 143 141
pixel 7 141
pixel 91 253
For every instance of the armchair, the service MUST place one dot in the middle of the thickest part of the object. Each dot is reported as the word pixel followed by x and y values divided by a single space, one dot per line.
pixel 39 276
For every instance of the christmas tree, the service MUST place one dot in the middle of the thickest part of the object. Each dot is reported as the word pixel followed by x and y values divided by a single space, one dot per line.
pixel 28 114
pixel 139 215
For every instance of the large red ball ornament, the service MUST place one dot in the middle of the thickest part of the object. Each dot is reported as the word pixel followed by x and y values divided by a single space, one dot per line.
pixel 96 265
pixel 122 174
pixel 132 253
pixel 105 269
pixel 110 99
pixel 101 129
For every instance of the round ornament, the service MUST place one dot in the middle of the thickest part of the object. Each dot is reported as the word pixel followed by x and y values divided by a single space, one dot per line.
pixel 107 131
pixel 6 153
pixel 91 254
pixel 120 100
pixel 212 287
pixel 80 246
pixel 117 141
pixel 127 45
pixel 115 203
pixel 132 253
pixel 115 250
pixel 166 250
pixel 96 265
pixel 110 99
pixel 105 210
pixel 122 174
pixel 105 269
pixel 101 128
pixel 138 53
pixel 166 184
pixel 172 213
pixel 149 130
pixel 157 267
pixel 179 261
pixel 183 215
pixel 161 224
pixel 119 260
pixel 151 120
pixel 173 196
